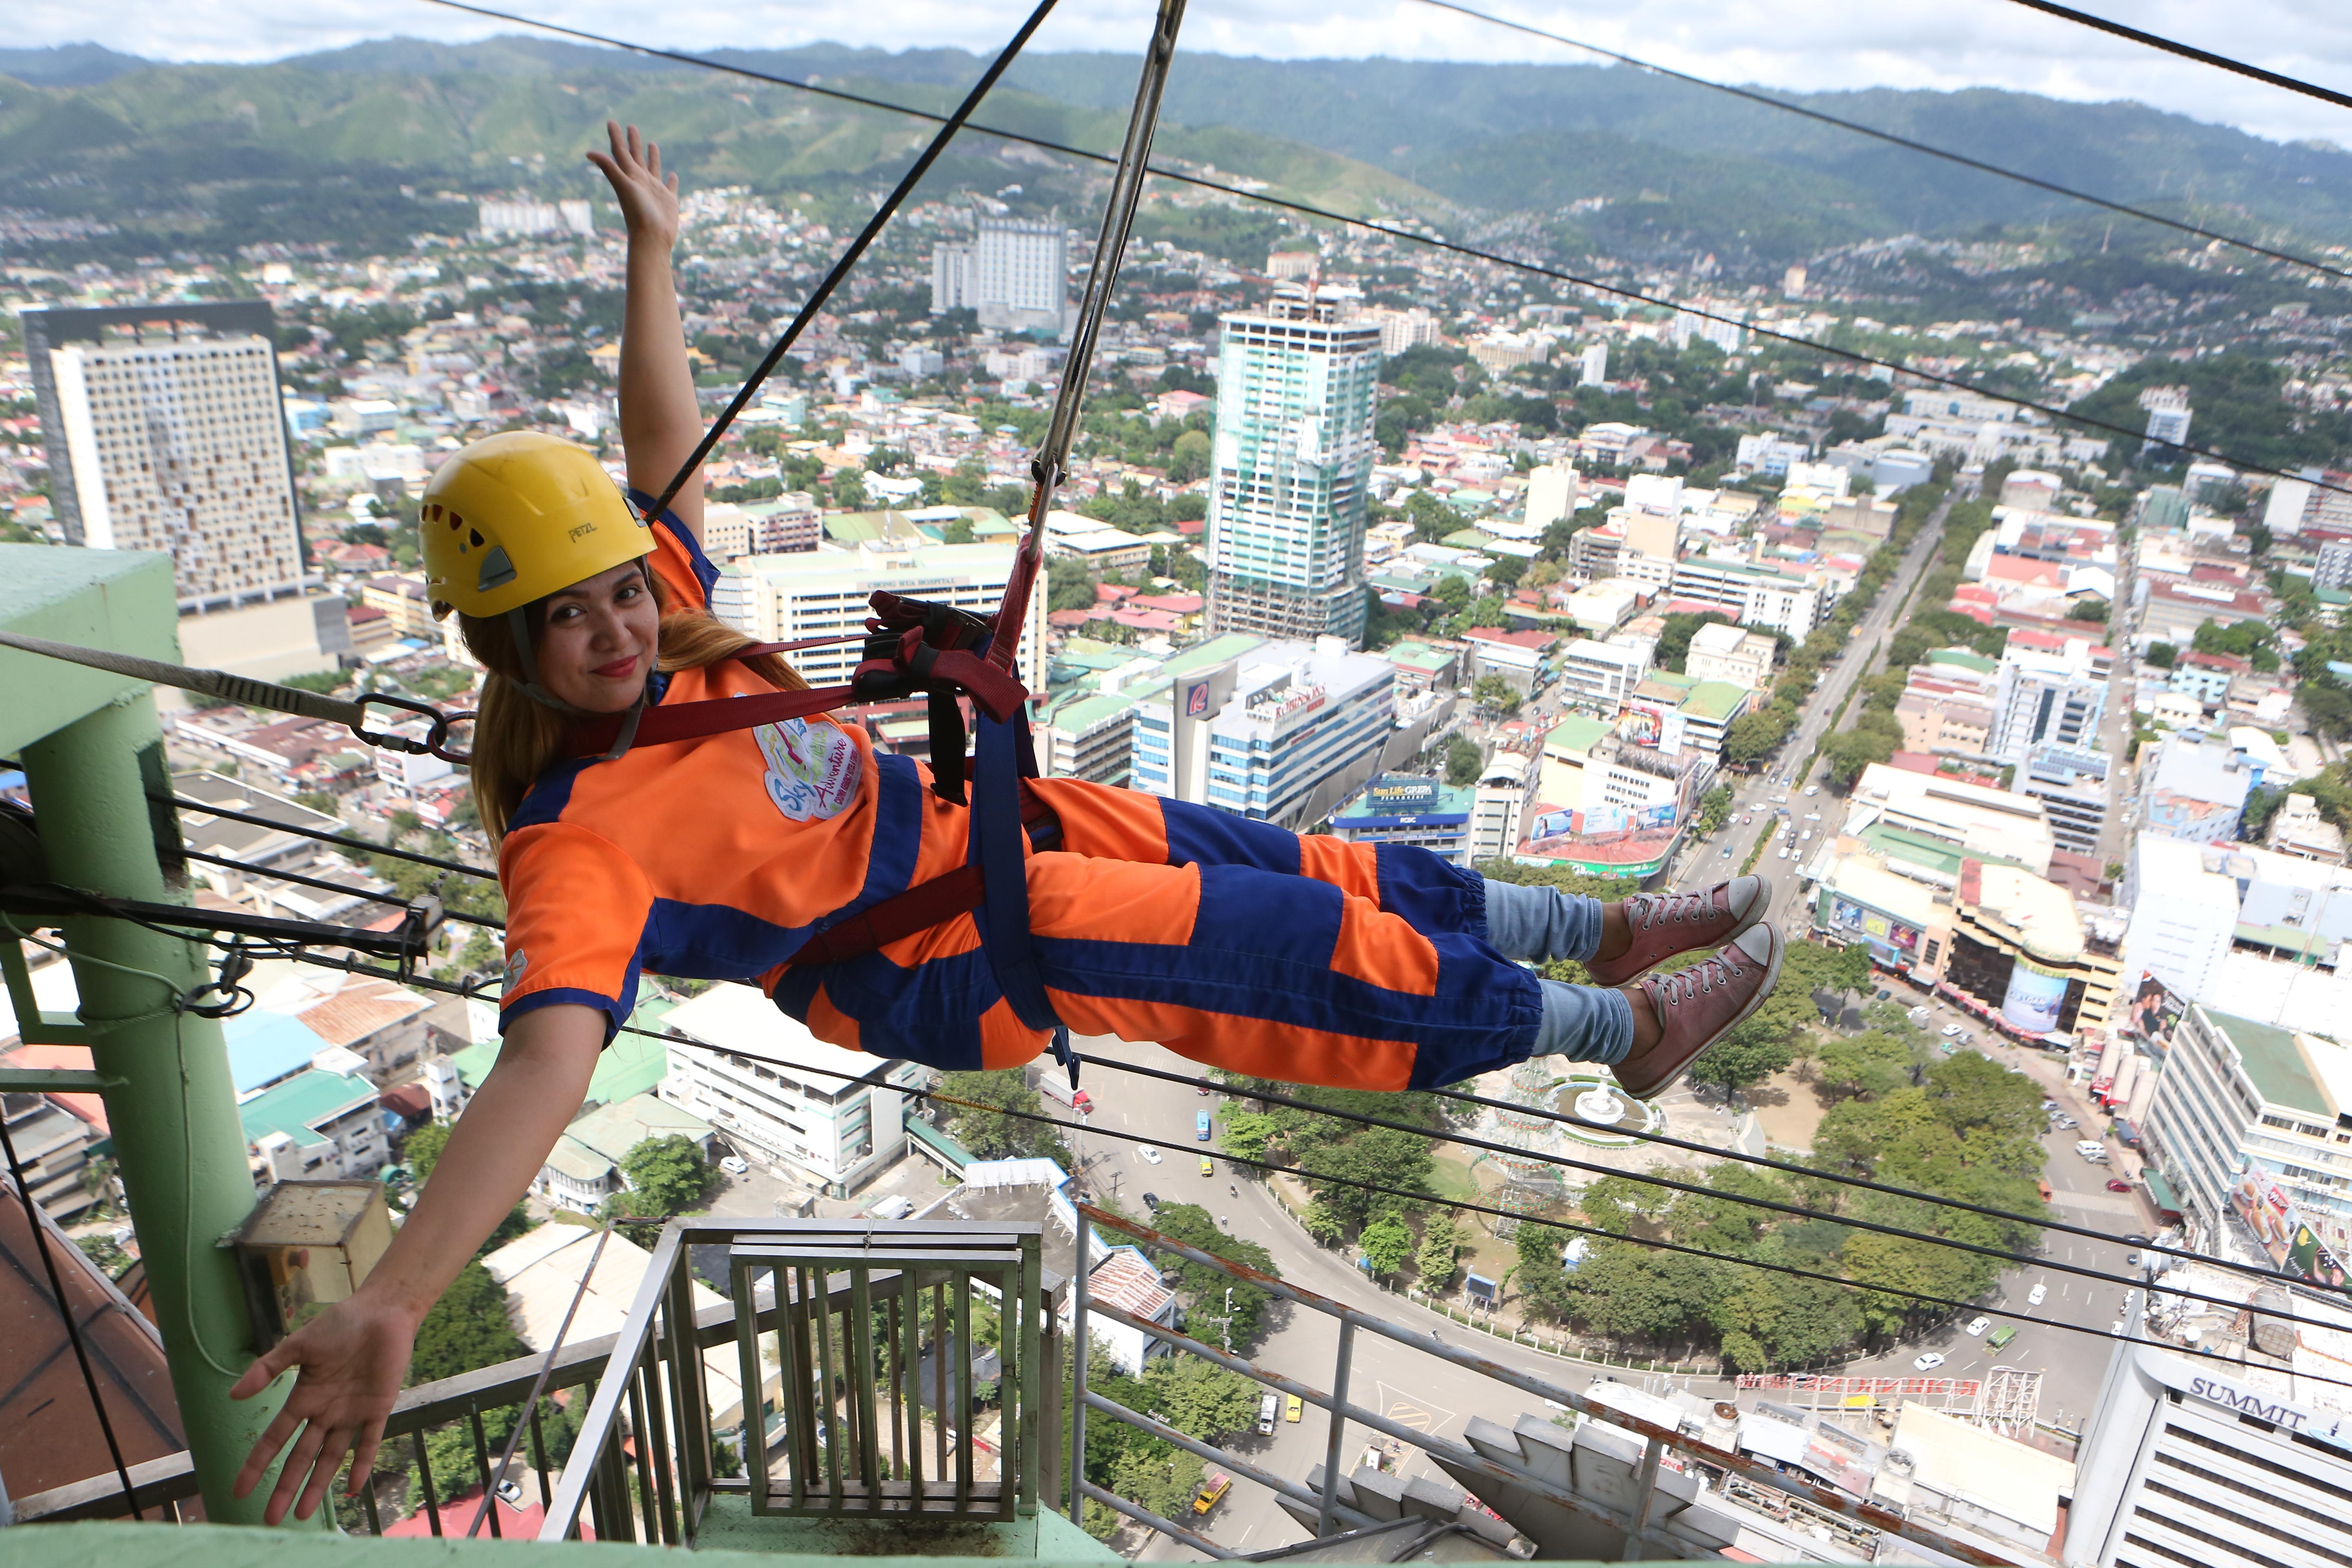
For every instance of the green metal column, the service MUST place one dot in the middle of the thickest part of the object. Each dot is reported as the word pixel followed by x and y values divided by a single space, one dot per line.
pixel 177 1140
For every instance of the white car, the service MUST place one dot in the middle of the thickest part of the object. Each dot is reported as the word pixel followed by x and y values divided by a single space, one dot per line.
pixel 1784 852
pixel 1929 1362
pixel 1813 790
pixel 2038 1295
pixel 1951 1030
pixel 733 1166
pixel 1806 837
pixel 1150 1155
pixel 1977 1329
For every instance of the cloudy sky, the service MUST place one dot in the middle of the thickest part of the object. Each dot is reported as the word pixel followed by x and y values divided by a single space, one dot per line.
pixel 1814 45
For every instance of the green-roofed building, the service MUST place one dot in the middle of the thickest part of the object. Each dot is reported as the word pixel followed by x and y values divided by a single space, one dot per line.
pixel 1576 736
pixel 1963 658
pixel 631 1066
pixel 1090 737
pixel 583 1169
pixel 1210 654
pixel 1707 711
pixel 317 1127
pixel 1467 538
pixel 2244 1122
pixel 1421 665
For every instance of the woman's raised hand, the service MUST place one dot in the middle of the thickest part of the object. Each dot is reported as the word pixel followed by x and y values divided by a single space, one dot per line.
pixel 648 199
pixel 350 1360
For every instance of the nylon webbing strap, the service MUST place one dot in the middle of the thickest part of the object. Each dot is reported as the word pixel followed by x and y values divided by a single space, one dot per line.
pixel 997 849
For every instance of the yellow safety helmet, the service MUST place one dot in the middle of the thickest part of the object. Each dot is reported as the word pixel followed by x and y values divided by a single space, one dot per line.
pixel 514 517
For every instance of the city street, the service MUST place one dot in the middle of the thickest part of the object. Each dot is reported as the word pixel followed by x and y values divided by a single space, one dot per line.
pixel 1705 861
pixel 1414 1389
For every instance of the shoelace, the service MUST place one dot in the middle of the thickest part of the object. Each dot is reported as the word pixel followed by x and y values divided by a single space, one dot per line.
pixel 1664 908
pixel 1685 984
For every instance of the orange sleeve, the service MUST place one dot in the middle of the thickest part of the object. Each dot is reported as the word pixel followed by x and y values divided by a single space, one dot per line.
pixel 576 913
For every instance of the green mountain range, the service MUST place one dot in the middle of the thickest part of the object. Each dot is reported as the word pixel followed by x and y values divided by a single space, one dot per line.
pixel 320 146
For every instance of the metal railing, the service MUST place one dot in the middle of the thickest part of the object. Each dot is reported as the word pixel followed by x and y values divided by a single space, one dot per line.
pixel 848 1414
pixel 1641 1525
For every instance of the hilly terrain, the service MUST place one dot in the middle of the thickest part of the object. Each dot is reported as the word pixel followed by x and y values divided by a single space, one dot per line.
pixel 319 146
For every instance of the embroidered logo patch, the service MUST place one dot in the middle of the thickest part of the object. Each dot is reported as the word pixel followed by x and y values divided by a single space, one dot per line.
pixel 811 768
pixel 516 961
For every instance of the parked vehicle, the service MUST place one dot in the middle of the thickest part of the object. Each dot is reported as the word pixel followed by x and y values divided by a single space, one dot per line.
pixel 1951 1030
pixel 1883 994
pixel 735 1165
pixel 2096 1154
pixel 1152 1202
pixel 1269 1407
pixel 1293 1407
pixel 2043 1185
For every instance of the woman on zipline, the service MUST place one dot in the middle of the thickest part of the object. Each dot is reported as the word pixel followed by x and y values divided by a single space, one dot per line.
pixel 1236 944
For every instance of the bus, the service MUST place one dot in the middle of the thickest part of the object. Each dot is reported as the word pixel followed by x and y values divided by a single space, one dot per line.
pixel 1201 1125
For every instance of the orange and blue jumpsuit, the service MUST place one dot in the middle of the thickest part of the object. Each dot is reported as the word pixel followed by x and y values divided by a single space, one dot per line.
pixel 1231 941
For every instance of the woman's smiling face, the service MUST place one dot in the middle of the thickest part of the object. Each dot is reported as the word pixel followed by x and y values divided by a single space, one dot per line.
pixel 599 639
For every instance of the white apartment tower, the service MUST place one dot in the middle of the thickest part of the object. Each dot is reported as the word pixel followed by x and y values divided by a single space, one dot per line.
pixel 1293 453
pixel 1015 275
pixel 166 431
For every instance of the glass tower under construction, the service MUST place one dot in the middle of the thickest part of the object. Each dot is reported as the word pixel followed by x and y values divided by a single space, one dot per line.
pixel 1293 456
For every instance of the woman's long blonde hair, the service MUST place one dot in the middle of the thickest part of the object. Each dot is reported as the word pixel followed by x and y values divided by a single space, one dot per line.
pixel 516 738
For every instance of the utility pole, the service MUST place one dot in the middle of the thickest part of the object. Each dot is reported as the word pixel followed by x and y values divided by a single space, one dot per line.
pixel 1227 1327
pixel 92 752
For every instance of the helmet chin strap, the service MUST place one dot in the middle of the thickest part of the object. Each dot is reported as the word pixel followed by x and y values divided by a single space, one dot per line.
pixel 519 630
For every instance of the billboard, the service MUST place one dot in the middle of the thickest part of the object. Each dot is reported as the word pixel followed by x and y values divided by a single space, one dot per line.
pixel 2292 1240
pixel 1642 725
pixel 2154 1013
pixel 1397 795
pixel 1552 824
pixel 2034 999
pixel 1885 932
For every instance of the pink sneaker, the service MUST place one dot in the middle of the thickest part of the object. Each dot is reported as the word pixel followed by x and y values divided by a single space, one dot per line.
pixel 1698 1006
pixel 1665 924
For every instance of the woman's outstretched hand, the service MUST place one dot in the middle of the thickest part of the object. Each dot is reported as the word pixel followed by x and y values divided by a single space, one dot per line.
pixel 348 1361
pixel 648 199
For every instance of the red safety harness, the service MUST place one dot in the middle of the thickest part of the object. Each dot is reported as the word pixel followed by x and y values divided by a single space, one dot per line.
pixel 945 655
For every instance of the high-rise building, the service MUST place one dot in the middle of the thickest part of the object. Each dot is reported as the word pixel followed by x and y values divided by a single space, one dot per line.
pixel 1593 367
pixel 2168 415
pixel 1015 275
pixel 1551 494
pixel 165 432
pixel 2050 689
pixel 1294 452
pixel 1276 731
pixel 823 592
pixel 2184 1460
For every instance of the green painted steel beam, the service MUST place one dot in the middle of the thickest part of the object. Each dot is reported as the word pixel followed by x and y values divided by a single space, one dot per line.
pixel 117 599
pixel 92 751
pixel 56 1080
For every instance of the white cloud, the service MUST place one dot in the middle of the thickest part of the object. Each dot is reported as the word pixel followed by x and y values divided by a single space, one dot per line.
pixel 1826 45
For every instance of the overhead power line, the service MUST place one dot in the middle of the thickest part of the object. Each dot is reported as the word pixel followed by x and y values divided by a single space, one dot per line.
pixel 1668 1140
pixel 1696 1189
pixel 2188 52
pixel 1436 242
pixel 1894 139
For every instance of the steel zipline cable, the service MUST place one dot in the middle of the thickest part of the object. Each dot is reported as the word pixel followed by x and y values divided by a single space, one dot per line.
pixel 2188 52
pixel 1895 139
pixel 1433 241
pixel 1834 1178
